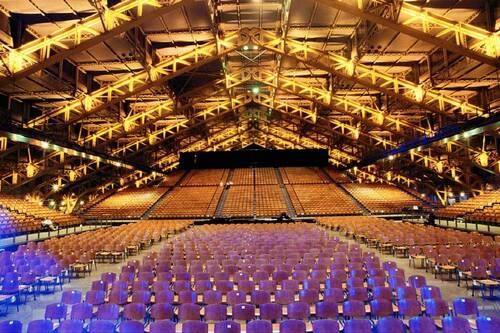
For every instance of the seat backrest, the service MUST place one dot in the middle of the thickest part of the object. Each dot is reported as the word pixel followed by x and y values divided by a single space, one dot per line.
pixel 325 326
pixel 259 326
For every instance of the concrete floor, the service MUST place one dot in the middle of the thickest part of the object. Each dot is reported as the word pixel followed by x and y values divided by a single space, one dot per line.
pixel 35 309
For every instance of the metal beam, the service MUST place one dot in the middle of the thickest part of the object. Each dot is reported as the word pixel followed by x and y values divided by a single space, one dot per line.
pixel 485 50
pixel 156 138
pixel 356 72
pixel 35 55
pixel 17 134
pixel 129 86
pixel 452 132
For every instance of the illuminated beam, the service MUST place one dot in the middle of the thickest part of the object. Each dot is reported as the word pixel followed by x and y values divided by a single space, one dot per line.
pixel 139 119
pixel 157 137
pixel 170 162
pixel 45 143
pixel 464 34
pixel 55 161
pixel 486 52
pixel 418 156
pixel 308 143
pixel 288 142
pixel 165 70
pixel 160 135
pixel 36 55
pixel 129 124
pixel 447 136
pixel 373 175
pixel 368 115
pixel 373 117
pixel 356 72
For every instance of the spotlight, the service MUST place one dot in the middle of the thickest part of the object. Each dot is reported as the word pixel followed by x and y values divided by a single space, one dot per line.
pixel 55 187
pixel 391 157
pixel 255 47
pixel 245 48
pixel 462 194
pixel 255 90
pixel 45 144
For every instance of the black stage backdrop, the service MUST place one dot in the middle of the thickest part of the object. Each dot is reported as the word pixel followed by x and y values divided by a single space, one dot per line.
pixel 254 158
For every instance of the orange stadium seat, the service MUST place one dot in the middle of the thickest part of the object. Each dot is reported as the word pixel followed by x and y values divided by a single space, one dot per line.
pixel 126 204
pixel 321 199
pixel 20 216
pixel 472 207
pixel 181 202
pixel 382 198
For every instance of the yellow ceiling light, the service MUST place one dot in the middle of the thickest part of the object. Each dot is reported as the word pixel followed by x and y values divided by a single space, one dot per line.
pixel 418 91
pixel 483 159
pixel 30 170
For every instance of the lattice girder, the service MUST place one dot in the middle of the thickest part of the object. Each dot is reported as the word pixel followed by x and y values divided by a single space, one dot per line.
pixel 356 72
pixel 167 69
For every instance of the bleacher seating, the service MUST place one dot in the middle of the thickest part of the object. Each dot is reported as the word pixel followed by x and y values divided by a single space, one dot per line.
pixel 489 214
pixel 425 198
pixel 243 176
pixel 239 201
pixel 382 198
pixel 208 177
pixel 469 206
pixel 182 202
pixel 173 178
pixel 337 176
pixel 265 176
pixel 303 176
pixel 321 199
pixel 269 201
pixel 12 222
pixel 126 204
pixel 21 216
pixel 94 200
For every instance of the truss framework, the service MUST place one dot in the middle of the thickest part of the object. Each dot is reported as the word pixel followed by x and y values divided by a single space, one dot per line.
pixel 373 117
pixel 146 79
pixel 170 68
pixel 423 158
pixel 36 54
pixel 351 70
pixel 416 94
pixel 153 139
pixel 226 139
pixel 463 34
pixel 465 43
